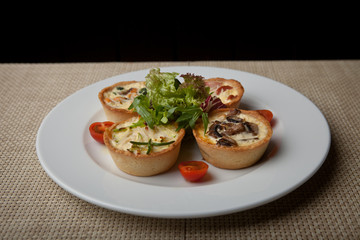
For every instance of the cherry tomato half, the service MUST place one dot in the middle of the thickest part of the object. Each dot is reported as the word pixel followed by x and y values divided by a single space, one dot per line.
pixel 266 113
pixel 193 171
pixel 97 130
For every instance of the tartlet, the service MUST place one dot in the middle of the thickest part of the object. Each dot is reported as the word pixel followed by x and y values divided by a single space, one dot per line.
pixel 235 138
pixel 229 91
pixel 117 98
pixel 136 159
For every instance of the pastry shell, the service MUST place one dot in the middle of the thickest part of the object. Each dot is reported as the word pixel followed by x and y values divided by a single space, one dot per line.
pixel 234 157
pixel 235 102
pixel 143 165
pixel 116 114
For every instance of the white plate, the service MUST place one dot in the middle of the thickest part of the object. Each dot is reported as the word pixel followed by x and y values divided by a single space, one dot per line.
pixel 83 167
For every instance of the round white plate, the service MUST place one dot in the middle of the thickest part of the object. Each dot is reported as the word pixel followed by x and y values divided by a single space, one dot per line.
pixel 83 167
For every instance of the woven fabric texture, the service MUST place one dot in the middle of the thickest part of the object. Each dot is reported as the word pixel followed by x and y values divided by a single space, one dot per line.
pixel 33 206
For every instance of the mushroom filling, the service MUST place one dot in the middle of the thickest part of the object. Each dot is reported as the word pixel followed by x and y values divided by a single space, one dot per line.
pixel 233 129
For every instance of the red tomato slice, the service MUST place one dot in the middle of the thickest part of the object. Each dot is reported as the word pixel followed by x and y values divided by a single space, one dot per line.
pixel 97 130
pixel 266 113
pixel 193 171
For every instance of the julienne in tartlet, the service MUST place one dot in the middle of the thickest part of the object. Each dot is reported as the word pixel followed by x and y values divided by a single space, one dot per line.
pixel 117 98
pixel 142 151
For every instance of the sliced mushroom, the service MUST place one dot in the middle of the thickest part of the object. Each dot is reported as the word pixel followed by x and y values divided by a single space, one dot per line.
pixel 252 128
pixel 214 130
pixel 233 112
pixel 248 139
pixel 126 91
pixel 234 119
pixel 232 128
pixel 255 128
pixel 226 141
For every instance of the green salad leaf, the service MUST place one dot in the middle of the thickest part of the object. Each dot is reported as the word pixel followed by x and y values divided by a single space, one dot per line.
pixel 162 88
pixel 167 99
pixel 194 89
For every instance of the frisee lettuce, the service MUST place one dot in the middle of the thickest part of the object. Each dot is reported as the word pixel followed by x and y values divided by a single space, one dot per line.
pixel 194 89
pixel 162 88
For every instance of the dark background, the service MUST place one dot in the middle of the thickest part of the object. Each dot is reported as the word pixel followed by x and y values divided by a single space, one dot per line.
pixel 69 37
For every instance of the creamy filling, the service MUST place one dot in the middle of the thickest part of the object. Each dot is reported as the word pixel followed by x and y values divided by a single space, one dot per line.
pixel 123 133
pixel 235 130
pixel 121 97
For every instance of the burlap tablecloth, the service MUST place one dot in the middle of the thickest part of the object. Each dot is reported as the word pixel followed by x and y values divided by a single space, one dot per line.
pixel 33 206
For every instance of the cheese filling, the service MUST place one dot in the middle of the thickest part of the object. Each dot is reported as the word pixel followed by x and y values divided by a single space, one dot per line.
pixel 122 134
pixel 122 96
pixel 235 130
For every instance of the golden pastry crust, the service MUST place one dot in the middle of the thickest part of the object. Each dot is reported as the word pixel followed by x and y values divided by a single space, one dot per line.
pixel 232 157
pixel 234 100
pixel 144 164
pixel 116 114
